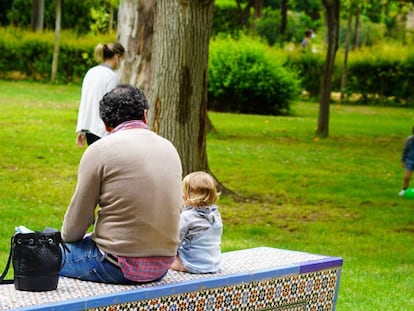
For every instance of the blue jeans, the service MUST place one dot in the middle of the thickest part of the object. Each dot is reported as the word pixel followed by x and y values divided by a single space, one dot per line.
pixel 409 165
pixel 86 262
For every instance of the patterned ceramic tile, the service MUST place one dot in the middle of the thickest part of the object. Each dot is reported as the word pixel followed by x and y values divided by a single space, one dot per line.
pixel 254 279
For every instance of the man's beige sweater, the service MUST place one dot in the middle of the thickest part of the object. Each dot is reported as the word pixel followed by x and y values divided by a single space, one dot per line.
pixel 130 181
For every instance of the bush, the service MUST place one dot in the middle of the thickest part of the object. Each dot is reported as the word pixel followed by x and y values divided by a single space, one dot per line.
pixel 244 76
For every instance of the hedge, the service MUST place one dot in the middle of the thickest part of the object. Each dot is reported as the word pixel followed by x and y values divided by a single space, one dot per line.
pixel 382 74
pixel 28 55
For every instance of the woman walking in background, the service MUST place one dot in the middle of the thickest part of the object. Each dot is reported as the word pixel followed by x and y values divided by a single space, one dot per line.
pixel 98 81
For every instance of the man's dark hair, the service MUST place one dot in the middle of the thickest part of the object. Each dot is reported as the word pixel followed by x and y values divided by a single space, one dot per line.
pixel 123 103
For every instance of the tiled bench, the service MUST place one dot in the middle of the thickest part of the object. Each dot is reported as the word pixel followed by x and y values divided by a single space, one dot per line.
pixel 260 278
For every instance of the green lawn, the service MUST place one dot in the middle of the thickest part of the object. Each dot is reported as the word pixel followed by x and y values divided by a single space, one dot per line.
pixel 335 196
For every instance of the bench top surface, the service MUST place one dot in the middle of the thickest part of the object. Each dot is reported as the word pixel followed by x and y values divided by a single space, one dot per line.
pixel 238 266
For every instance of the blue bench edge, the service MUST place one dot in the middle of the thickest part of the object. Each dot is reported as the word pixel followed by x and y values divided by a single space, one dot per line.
pixel 146 293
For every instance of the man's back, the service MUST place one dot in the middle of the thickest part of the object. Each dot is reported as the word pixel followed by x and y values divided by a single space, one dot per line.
pixel 137 184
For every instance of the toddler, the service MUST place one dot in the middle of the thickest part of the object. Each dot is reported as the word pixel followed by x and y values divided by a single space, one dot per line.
pixel 407 161
pixel 201 226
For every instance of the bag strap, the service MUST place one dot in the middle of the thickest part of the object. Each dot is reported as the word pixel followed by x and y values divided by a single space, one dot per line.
pixel 3 275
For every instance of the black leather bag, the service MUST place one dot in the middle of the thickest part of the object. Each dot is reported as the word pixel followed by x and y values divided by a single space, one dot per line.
pixel 37 260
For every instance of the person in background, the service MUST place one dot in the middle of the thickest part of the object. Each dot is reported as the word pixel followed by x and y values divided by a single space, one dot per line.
pixel 407 161
pixel 98 81
pixel 129 190
pixel 201 226
pixel 309 35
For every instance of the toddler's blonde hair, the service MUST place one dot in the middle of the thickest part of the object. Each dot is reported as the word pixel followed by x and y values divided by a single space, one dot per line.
pixel 199 189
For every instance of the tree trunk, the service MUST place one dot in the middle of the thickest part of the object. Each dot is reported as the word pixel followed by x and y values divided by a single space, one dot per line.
pixel 283 14
pixel 179 80
pixel 244 12
pixel 346 52
pixel 111 18
pixel 135 32
pixel 356 29
pixel 38 8
pixel 258 8
pixel 57 40
pixel 332 20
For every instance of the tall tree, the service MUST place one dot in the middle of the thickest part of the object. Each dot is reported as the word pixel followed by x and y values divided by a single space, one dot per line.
pixel 346 53
pixel 245 11
pixel 332 8
pixel 38 9
pixel 179 77
pixel 58 21
pixel 112 4
pixel 283 14
pixel 167 55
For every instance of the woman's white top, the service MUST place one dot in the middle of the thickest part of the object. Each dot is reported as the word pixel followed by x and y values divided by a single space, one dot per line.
pixel 98 81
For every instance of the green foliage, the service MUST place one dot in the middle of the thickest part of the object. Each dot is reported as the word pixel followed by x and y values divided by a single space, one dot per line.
pixel 244 76
pixel 226 18
pixel 100 20
pixel 369 33
pixel 268 26
pixel 73 15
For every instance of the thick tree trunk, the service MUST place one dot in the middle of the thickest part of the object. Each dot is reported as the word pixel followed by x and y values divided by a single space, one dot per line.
pixel 135 32
pixel 179 78
pixel 332 20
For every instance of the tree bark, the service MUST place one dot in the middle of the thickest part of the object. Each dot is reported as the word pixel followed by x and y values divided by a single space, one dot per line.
pixel 356 29
pixel 244 12
pixel 258 8
pixel 346 52
pixel 56 45
pixel 38 8
pixel 111 18
pixel 283 14
pixel 332 8
pixel 135 33
pixel 179 80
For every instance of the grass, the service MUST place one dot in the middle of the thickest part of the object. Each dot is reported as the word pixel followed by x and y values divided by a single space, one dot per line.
pixel 335 196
